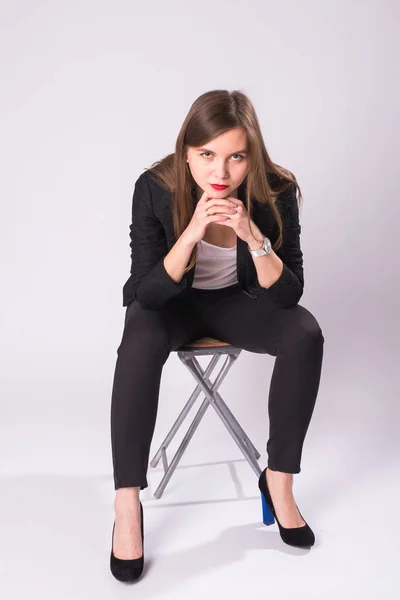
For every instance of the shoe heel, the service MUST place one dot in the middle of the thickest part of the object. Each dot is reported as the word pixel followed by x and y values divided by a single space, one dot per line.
pixel 268 517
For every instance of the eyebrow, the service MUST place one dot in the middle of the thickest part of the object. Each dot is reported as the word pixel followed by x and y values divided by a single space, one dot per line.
pixel 236 152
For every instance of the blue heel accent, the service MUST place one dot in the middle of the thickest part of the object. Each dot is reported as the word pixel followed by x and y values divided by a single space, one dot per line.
pixel 268 517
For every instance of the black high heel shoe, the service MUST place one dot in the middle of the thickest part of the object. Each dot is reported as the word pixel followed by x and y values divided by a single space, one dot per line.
pixel 130 569
pixel 303 537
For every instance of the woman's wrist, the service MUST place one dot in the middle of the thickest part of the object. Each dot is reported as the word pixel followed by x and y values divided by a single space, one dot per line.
pixel 255 242
pixel 186 241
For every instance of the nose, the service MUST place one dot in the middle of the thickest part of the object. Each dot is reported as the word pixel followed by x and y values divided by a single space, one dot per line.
pixel 220 171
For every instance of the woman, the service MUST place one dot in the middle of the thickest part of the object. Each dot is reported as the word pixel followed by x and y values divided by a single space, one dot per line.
pixel 215 239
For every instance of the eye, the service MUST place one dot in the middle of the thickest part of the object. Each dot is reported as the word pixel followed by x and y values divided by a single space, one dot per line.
pixel 241 157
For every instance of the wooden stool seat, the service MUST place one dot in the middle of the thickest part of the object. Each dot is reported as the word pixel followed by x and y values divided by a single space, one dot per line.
pixel 205 342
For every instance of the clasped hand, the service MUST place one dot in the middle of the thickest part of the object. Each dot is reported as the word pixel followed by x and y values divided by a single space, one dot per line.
pixel 227 211
pixel 237 217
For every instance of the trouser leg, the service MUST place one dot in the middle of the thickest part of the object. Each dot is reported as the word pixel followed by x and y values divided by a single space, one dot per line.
pixel 147 339
pixel 295 338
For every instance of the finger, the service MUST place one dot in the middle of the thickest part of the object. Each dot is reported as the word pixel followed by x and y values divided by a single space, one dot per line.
pixel 235 201
pixel 221 211
pixel 225 222
pixel 220 202
pixel 204 198
pixel 218 218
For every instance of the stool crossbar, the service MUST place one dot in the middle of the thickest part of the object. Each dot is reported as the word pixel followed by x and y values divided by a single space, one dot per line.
pixel 187 354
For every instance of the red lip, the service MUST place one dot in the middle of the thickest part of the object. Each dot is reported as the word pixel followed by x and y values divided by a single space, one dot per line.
pixel 218 187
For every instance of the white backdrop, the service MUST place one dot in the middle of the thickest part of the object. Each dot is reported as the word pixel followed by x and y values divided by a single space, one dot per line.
pixel 92 93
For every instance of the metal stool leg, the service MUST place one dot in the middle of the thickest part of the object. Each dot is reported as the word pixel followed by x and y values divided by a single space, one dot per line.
pixel 229 415
pixel 169 469
pixel 198 374
pixel 182 415
pixel 224 408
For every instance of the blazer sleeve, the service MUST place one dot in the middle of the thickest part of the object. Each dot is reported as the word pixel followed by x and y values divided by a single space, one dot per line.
pixel 288 289
pixel 151 285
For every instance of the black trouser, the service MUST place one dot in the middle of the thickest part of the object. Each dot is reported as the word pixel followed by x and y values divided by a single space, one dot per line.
pixel 259 325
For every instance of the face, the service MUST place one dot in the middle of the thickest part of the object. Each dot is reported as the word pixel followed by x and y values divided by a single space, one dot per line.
pixel 223 160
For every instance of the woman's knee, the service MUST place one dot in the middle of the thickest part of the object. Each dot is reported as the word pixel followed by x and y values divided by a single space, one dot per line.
pixel 304 328
pixel 310 329
pixel 143 329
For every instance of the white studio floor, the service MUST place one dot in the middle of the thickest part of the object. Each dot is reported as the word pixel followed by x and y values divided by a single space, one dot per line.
pixel 204 537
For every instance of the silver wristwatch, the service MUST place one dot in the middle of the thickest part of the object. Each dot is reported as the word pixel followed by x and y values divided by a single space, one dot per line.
pixel 265 248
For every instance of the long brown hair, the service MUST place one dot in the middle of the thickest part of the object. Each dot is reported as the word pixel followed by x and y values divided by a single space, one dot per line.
pixel 211 114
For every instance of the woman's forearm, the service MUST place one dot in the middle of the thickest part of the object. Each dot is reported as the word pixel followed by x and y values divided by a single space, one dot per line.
pixel 177 259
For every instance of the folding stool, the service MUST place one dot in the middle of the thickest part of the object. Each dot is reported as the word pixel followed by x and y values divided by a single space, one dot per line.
pixel 187 354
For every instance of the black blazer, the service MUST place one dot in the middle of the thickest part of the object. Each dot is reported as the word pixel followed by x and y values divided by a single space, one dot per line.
pixel 152 236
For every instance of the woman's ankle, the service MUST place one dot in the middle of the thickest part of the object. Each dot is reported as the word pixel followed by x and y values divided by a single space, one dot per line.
pixel 280 479
pixel 127 491
pixel 126 498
